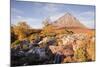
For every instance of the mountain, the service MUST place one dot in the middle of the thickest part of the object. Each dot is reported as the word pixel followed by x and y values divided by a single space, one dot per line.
pixel 68 21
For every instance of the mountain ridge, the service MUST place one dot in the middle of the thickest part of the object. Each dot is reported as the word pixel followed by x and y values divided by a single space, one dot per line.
pixel 68 21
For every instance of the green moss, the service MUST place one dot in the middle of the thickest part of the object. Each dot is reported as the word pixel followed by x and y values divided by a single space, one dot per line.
pixel 16 42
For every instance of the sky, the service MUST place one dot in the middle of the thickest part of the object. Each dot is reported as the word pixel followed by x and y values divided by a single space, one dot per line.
pixel 35 12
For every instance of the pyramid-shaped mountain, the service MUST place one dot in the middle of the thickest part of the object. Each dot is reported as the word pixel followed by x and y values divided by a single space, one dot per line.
pixel 68 21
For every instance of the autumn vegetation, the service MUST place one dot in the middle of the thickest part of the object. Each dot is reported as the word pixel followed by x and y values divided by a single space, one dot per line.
pixel 73 46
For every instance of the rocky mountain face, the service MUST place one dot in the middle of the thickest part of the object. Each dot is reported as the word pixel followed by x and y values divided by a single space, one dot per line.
pixel 68 21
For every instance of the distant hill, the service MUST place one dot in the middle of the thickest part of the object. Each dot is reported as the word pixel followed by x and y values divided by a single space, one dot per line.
pixel 68 21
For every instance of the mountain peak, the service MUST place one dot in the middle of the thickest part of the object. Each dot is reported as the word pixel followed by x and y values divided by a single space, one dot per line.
pixel 67 14
pixel 69 21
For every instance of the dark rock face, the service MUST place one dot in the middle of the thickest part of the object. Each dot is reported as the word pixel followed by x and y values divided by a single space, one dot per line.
pixel 33 56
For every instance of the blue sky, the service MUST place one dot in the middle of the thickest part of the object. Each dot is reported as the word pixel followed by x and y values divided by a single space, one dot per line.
pixel 34 12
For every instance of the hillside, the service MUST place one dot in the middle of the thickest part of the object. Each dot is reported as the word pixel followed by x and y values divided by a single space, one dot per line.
pixel 68 21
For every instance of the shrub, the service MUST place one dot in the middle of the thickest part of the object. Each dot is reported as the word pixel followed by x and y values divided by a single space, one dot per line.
pixel 80 55
pixel 16 42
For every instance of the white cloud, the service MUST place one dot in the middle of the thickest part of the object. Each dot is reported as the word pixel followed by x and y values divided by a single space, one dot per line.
pixel 51 9
pixel 88 13
pixel 33 22
pixel 14 10
pixel 19 17
pixel 87 18
pixel 55 17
